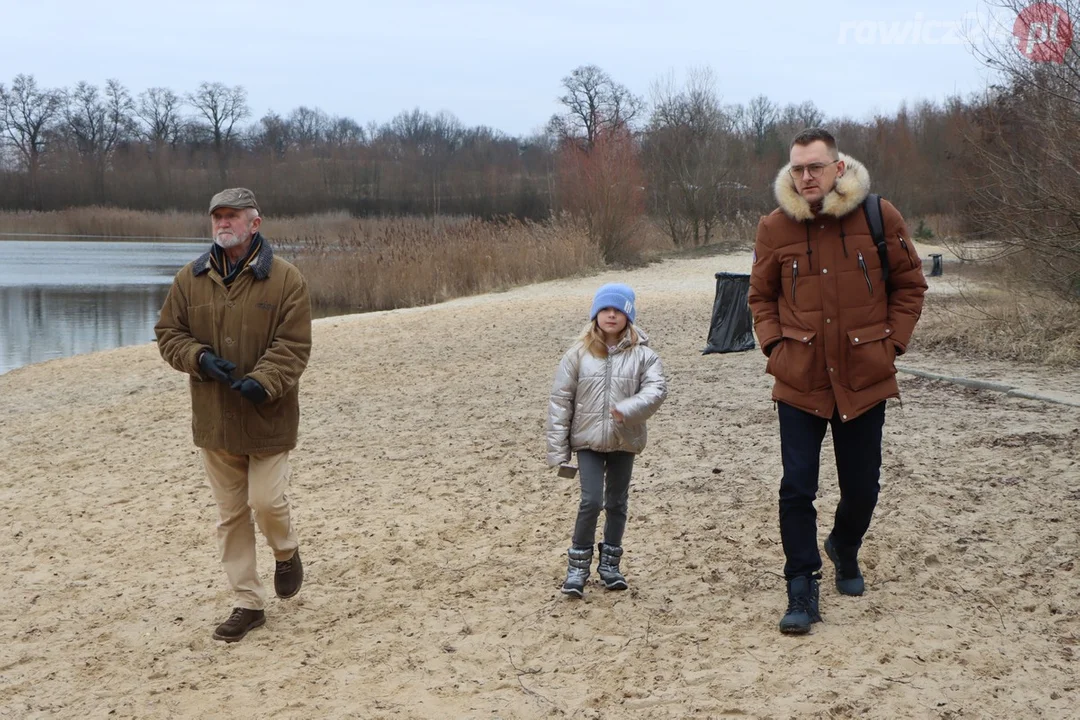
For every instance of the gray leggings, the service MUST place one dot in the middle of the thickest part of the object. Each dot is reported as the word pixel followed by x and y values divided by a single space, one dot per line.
pixel 594 495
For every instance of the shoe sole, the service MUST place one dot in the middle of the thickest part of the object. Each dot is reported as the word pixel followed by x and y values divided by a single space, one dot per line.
pixel 617 585
pixel 835 559
pixel 573 592
pixel 292 594
pixel 794 630
pixel 238 638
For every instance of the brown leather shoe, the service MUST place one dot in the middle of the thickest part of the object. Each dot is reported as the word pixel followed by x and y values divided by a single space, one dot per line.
pixel 238 624
pixel 288 576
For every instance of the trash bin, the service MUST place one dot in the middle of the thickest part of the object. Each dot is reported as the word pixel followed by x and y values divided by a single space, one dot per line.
pixel 936 269
pixel 732 325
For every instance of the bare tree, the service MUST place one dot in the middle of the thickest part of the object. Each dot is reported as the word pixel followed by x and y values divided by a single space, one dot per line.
pixel 687 156
pixel 308 127
pixel 222 108
pixel 759 122
pixel 26 115
pixel 594 103
pixel 96 122
pixel 344 132
pixel 1025 179
pixel 271 136
pixel 159 113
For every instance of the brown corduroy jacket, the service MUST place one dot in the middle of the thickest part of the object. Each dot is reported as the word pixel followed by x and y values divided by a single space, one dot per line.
pixel 817 293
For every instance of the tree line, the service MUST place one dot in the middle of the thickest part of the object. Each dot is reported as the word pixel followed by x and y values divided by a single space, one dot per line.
pixel 699 159
pixel 1003 161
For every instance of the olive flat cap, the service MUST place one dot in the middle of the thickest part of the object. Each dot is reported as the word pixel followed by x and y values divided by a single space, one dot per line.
pixel 237 198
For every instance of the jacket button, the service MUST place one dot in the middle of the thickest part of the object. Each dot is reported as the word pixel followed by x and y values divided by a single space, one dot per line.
pixel 856 340
pixel 229 415
pixel 824 271
pixel 231 303
pixel 830 369
pixel 228 340
pixel 828 320
pixel 805 339
pixel 843 417
pixel 887 331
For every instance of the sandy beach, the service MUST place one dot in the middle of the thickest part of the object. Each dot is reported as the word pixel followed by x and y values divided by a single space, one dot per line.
pixel 434 538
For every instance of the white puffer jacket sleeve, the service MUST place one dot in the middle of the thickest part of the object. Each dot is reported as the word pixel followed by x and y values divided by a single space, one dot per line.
pixel 640 406
pixel 561 407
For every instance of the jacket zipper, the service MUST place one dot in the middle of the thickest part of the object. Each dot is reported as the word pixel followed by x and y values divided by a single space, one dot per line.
pixel 907 252
pixel 608 420
pixel 794 278
pixel 865 273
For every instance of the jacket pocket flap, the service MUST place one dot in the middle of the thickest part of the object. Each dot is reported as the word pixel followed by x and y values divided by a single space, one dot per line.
pixel 798 334
pixel 871 333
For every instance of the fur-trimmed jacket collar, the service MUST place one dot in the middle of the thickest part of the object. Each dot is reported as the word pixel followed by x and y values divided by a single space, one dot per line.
pixel 850 190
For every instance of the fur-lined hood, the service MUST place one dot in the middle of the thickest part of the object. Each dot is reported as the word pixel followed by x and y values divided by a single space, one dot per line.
pixel 850 190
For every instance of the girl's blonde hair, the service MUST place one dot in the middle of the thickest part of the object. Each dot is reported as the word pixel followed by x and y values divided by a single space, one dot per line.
pixel 592 338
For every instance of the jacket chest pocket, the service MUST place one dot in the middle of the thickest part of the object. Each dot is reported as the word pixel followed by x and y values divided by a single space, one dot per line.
pixel 202 322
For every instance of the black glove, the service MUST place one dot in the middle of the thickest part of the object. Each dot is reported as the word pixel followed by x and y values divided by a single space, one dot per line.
pixel 216 368
pixel 251 389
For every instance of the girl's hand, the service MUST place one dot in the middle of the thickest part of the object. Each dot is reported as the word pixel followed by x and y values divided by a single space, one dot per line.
pixel 617 415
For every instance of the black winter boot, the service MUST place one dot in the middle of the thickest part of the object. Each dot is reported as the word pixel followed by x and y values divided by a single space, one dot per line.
pixel 849 579
pixel 608 567
pixel 802 610
pixel 577 571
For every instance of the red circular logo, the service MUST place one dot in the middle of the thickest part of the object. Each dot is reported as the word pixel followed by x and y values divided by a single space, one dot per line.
pixel 1043 33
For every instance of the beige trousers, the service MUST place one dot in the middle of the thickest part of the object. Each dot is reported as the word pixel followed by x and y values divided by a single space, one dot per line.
pixel 247 486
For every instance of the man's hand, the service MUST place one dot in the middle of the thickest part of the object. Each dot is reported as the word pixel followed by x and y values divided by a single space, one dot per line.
pixel 250 389
pixel 770 347
pixel 617 415
pixel 216 368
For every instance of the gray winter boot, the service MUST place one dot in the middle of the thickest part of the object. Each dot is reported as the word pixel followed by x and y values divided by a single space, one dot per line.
pixel 577 571
pixel 609 567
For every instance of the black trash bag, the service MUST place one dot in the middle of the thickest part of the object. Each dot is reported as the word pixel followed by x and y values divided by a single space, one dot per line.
pixel 732 326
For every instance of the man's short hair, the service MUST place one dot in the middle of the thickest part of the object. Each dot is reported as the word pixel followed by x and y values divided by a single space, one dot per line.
pixel 814 134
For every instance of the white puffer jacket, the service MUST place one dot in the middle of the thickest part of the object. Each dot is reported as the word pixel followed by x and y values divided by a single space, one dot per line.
pixel 588 388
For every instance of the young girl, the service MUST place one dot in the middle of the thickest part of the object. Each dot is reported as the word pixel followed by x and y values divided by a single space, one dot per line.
pixel 607 385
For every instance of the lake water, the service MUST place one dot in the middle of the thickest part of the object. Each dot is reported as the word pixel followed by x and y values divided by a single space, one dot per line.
pixel 62 298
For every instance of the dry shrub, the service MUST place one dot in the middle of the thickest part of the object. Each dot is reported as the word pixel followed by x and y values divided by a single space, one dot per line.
pixel 602 184
pixel 1003 316
pixel 113 223
pixel 356 265
pixel 941 225
pixel 381 264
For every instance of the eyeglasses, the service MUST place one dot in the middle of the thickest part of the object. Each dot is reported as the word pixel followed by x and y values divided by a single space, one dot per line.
pixel 815 169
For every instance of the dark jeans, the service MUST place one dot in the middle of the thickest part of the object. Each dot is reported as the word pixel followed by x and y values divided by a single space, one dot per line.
pixel 857 445
pixel 612 495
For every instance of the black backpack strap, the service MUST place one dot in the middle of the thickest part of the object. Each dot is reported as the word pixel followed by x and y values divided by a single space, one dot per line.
pixel 872 210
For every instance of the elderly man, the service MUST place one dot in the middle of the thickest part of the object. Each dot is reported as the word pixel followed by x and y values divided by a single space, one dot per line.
pixel 238 321
pixel 832 310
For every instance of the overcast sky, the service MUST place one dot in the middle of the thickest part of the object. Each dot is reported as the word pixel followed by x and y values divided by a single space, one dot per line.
pixel 499 62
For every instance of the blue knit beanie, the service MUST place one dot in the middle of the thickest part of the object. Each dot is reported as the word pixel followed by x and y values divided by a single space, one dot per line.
pixel 614 295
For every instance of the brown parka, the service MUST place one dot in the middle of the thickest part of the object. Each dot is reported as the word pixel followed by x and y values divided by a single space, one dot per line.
pixel 817 293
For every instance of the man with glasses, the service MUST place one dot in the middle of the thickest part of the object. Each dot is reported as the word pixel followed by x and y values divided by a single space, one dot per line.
pixel 831 317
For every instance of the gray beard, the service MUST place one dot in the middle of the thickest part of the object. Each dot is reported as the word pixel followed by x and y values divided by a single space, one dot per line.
pixel 226 244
